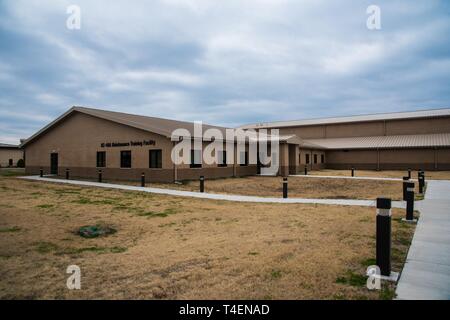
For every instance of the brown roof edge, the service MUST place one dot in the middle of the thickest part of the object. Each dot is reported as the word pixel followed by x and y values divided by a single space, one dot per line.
pixel 390 116
pixel 9 146
pixel 159 126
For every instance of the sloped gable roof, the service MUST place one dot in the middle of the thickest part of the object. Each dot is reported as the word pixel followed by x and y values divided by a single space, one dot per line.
pixel 160 126
pixel 431 113
pixel 385 142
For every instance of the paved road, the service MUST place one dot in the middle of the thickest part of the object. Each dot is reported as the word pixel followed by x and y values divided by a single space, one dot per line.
pixel 215 196
pixel 426 274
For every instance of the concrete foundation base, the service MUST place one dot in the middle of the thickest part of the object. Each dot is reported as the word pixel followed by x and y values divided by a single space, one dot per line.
pixel 393 277
pixel 409 221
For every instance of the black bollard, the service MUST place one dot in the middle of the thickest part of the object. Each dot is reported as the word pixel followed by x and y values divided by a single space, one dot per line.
pixel 306 170
pixel 353 172
pixel 202 184
pixel 67 173
pixel 143 179
pixel 405 181
pixel 41 172
pixel 285 188
pixel 99 175
pixel 421 178
pixel 410 201
pixel 384 235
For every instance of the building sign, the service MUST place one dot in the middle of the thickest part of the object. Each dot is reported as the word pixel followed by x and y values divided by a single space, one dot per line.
pixel 128 144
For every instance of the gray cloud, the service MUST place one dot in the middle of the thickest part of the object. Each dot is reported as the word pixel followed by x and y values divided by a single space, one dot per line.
pixel 226 63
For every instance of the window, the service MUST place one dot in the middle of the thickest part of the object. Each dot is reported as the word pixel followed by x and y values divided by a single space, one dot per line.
pixel 307 158
pixel 322 158
pixel 155 157
pixel 196 159
pixel 101 159
pixel 243 158
pixel 222 158
pixel 315 158
pixel 125 159
pixel 10 162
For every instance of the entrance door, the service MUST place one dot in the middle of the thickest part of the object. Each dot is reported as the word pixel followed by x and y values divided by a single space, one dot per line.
pixel 293 164
pixel 54 163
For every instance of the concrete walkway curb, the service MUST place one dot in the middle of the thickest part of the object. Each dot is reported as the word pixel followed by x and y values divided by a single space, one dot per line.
pixel 345 177
pixel 214 196
pixel 426 274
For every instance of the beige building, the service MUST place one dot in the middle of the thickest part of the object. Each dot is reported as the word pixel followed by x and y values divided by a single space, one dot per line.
pixel 123 146
pixel 10 155
pixel 418 140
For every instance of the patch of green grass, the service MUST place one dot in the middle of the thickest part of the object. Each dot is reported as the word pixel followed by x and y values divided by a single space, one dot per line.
pixel 120 207
pixel 275 274
pixel 45 206
pixel 11 172
pixel 369 262
pixel 118 249
pixel 67 191
pixel 4 188
pixel 387 293
pixel 83 200
pixel 352 279
pixel 155 214
pixel 81 250
pixel 6 206
pixel 339 296
pixel 46 247
pixel 167 224
pixel 12 229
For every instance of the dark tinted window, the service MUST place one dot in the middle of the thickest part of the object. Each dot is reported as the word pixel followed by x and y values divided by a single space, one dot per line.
pixel 101 159
pixel 243 159
pixel 222 159
pixel 196 158
pixel 125 159
pixel 155 159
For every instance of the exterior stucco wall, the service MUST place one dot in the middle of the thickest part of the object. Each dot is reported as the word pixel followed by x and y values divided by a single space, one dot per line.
pixel 6 154
pixel 78 138
pixel 373 128
pixel 419 126
pixel 390 159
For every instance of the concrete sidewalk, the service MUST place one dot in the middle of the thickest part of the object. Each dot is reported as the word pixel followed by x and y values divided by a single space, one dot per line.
pixel 215 196
pixel 426 274
pixel 349 177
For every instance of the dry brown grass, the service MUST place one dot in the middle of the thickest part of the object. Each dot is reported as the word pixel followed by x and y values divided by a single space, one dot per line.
pixel 298 187
pixel 436 175
pixel 181 248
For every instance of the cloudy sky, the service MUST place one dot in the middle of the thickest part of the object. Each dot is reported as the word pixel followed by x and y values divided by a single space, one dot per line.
pixel 223 62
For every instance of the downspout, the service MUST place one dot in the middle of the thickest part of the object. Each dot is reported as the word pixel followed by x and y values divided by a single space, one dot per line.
pixel 175 169
pixel 378 159
pixel 435 158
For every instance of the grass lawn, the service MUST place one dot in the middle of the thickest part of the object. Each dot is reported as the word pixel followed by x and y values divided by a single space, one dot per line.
pixel 298 187
pixel 435 175
pixel 182 248
pixel 12 172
